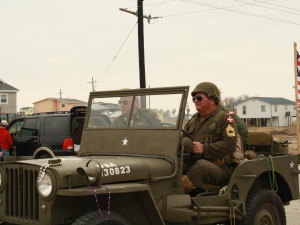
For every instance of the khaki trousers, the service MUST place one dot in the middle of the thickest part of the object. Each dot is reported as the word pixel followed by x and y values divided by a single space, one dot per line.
pixel 206 172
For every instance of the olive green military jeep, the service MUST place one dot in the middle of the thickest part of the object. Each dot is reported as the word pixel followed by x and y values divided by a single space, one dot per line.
pixel 128 171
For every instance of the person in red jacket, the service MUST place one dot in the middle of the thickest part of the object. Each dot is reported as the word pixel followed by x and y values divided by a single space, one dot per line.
pixel 5 140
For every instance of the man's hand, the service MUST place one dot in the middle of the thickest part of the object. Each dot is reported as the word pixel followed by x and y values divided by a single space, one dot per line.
pixel 197 147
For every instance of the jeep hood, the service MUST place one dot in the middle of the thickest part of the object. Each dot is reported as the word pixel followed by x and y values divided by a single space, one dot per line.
pixel 112 169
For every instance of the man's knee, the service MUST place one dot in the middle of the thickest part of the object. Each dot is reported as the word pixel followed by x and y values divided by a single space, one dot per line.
pixel 203 163
pixel 204 171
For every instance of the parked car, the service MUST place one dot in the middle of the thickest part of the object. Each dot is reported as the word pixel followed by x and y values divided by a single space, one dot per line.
pixel 46 135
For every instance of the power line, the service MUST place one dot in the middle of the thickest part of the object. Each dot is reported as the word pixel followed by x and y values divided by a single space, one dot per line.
pixel 257 5
pixel 241 12
pixel 203 10
pixel 278 6
pixel 230 8
pixel 117 53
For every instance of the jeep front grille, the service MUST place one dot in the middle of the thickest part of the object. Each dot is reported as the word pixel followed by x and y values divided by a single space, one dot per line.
pixel 21 197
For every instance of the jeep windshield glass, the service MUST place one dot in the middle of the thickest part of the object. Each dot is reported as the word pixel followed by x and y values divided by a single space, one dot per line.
pixel 135 112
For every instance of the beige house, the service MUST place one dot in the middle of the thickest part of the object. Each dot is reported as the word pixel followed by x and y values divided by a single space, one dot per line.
pixel 56 104
pixel 8 101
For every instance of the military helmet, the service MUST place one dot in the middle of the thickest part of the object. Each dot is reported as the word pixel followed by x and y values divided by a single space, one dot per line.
pixel 210 89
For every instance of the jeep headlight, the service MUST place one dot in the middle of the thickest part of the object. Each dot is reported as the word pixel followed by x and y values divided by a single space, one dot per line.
pixel 45 185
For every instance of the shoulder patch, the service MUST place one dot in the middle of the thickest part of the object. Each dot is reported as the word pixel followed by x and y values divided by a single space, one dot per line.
pixel 231 113
pixel 230 131
pixel 229 119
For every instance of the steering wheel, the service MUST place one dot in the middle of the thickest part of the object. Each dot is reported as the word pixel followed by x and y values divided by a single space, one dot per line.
pixel 162 124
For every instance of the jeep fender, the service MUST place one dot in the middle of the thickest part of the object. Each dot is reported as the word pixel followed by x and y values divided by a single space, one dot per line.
pixel 132 200
pixel 261 173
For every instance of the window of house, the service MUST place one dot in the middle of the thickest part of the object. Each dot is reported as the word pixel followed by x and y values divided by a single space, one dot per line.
pixel 3 99
pixel 275 108
pixel 63 105
pixel 286 107
pixel 263 108
pixel 244 110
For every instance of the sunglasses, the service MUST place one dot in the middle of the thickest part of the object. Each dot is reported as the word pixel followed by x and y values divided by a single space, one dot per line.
pixel 199 98
pixel 124 102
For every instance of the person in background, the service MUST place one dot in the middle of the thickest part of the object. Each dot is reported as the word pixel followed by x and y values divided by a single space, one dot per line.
pixel 138 117
pixel 214 135
pixel 5 140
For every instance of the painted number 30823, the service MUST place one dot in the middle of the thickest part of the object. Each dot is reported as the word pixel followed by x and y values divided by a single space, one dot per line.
pixel 116 171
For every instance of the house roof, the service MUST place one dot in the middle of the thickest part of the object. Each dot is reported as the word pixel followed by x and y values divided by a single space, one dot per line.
pixel 270 100
pixel 24 108
pixel 6 87
pixel 66 100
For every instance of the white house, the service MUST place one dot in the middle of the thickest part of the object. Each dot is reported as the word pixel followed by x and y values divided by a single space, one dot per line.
pixel 265 111
pixel 24 111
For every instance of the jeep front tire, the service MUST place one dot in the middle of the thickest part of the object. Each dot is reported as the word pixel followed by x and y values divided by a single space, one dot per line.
pixel 94 218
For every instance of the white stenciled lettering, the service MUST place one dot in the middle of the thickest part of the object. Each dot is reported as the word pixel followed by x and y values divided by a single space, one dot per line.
pixel 122 169
pixel 105 172
pixel 112 171
pixel 108 165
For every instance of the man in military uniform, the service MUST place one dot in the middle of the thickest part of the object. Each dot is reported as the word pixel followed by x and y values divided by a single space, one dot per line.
pixel 138 117
pixel 214 135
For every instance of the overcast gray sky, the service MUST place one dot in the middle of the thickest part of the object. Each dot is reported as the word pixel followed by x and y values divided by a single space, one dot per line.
pixel 244 47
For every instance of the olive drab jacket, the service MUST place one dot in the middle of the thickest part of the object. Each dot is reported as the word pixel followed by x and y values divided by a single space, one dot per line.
pixel 219 138
pixel 241 126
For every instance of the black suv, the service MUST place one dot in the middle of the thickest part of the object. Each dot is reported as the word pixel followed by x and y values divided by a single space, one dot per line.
pixel 46 135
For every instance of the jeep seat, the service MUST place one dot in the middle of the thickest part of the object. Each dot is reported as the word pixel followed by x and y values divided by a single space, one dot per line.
pixel 261 141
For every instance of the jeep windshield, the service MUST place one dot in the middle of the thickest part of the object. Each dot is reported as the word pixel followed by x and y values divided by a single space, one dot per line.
pixel 134 121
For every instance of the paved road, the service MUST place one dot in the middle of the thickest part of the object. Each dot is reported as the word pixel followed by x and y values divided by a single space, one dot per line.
pixel 293 213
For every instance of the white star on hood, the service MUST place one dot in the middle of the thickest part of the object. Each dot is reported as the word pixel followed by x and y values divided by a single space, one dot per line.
pixel 125 141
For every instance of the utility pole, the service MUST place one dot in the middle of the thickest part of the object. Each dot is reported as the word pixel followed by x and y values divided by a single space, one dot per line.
pixel 93 82
pixel 140 17
pixel 60 94
pixel 141 43
pixel 141 48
